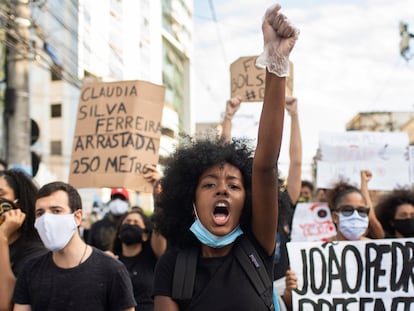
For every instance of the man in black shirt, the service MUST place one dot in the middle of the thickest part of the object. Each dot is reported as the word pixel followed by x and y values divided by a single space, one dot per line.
pixel 74 275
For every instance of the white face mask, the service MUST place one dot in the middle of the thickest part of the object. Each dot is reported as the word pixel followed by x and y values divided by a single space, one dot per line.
pixel 118 207
pixel 352 227
pixel 55 231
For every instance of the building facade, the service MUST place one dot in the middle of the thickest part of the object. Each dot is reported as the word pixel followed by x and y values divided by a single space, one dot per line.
pixel 81 41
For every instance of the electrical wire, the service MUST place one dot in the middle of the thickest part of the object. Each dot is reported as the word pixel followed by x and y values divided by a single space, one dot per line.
pixel 214 16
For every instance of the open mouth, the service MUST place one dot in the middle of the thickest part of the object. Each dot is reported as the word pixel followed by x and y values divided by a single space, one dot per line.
pixel 221 214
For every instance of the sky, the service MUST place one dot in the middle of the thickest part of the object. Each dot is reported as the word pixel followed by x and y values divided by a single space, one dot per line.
pixel 346 61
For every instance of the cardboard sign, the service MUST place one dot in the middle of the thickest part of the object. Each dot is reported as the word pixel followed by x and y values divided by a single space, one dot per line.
pixel 364 275
pixel 411 156
pixel 345 154
pixel 312 222
pixel 117 134
pixel 248 80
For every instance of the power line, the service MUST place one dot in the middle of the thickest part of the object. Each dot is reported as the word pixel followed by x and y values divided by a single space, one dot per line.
pixel 214 16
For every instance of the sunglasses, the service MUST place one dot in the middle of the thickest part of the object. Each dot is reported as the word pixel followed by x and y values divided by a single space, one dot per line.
pixel 348 210
pixel 5 205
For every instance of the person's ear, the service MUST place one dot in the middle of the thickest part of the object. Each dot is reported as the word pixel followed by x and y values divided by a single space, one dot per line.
pixel 78 217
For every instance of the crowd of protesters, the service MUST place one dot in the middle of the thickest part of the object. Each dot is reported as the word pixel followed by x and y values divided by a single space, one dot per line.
pixel 215 197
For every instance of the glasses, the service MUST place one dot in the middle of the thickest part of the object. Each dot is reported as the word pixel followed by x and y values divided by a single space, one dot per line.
pixel 6 205
pixel 348 210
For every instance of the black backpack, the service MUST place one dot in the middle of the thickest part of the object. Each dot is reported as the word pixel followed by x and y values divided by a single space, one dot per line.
pixel 246 255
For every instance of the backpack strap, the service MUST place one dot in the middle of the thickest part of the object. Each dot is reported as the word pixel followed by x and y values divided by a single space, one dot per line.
pixel 184 274
pixel 254 268
pixel 246 255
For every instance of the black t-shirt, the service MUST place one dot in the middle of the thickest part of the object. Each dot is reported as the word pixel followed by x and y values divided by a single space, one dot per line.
pixel 23 250
pixel 102 233
pixel 220 283
pixel 100 283
pixel 286 211
pixel 141 270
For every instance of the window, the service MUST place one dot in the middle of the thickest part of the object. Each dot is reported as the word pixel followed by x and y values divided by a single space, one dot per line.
pixel 56 110
pixel 56 147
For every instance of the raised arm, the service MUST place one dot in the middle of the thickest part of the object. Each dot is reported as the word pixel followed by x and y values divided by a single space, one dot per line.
pixel 232 105
pixel 279 38
pixel 12 221
pixel 158 241
pixel 374 226
pixel 294 178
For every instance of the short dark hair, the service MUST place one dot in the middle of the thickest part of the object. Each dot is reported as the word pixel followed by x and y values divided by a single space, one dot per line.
pixel 307 183
pixel 4 163
pixel 74 199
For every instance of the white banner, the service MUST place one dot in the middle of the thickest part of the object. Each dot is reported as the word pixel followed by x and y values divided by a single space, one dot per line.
pixel 344 155
pixel 385 175
pixel 363 146
pixel 312 222
pixel 367 275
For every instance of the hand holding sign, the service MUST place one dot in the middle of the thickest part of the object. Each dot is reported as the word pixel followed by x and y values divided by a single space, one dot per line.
pixel 291 283
pixel 152 175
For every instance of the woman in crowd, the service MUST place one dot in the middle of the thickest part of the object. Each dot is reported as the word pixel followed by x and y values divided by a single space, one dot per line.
pixel 19 240
pixel 138 246
pixel 395 211
pixel 352 212
pixel 214 196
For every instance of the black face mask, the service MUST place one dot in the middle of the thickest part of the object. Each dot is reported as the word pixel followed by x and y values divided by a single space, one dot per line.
pixel 131 234
pixel 405 227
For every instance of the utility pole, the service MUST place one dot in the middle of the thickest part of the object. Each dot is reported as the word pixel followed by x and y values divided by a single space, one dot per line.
pixel 18 117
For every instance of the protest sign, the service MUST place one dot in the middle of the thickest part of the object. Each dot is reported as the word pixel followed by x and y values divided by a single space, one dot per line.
pixel 248 80
pixel 367 275
pixel 411 156
pixel 343 155
pixel 312 222
pixel 117 134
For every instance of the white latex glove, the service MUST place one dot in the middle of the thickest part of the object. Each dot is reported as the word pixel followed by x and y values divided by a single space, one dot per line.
pixel 279 37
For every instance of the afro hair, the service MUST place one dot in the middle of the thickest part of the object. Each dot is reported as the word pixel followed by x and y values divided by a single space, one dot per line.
pixel 181 176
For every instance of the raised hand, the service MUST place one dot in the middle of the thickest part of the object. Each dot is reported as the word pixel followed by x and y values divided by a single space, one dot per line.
pixel 279 37
pixel 12 221
pixel 291 105
pixel 232 106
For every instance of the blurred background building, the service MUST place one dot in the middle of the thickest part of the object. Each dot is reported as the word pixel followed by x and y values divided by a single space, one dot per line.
pixel 50 48
pixel 67 43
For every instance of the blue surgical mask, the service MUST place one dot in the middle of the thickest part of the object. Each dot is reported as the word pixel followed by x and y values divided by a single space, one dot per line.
pixel 209 239
pixel 352 227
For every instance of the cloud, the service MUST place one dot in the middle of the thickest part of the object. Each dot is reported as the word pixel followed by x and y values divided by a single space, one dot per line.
pixel 345 61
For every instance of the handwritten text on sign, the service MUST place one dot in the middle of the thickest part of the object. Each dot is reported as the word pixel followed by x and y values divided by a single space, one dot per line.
pixel 363 146
pixel 312 222
pixel 117 134
pixel 355 275
pixel 248 81
pixel 343 155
